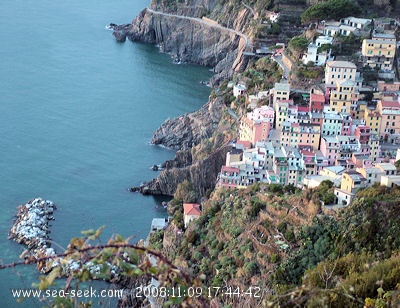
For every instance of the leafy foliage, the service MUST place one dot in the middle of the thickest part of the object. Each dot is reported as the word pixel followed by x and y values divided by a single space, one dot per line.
pixel 262 74
pixel 332 9
pixel 341 260
pixel 298 45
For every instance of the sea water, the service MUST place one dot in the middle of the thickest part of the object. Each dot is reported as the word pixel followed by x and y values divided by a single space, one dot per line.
pixel 77 112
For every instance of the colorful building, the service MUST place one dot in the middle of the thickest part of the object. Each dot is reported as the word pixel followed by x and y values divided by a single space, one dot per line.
pixel 332 124
pixel 253 131
pixel 373 120
pixel 390 117
pixel 344 98
pixel 229 177
pixel 191 211
pixel 379 51
pixel 281 91
pixel 317 102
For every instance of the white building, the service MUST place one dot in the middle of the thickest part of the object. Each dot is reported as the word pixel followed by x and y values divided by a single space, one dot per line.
pixel 358 23
pixel 339 71
pixel 239 89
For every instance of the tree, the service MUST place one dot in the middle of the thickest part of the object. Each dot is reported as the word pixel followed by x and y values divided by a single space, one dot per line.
pixel 333 9
pixel 298 45
pixel 185 192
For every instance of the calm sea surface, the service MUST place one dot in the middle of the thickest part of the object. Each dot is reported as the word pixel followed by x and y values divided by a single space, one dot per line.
pixel 77 111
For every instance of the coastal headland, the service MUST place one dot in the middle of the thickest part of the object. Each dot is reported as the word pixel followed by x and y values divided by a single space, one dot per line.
pixel 188 37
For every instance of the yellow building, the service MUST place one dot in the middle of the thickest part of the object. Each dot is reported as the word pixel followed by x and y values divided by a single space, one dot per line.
pixel 373 119
pixel 352 180
pixel 360 110
pixel 379 51
pixel 344 98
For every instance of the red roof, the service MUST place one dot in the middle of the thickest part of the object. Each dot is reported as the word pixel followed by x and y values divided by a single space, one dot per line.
pixel 229 169
pixel 246 144
pixel 303 109
pixel 191 209
pixel 317 98
pixel 390 104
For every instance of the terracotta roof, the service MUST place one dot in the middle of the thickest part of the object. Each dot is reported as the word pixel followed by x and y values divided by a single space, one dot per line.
pixel 290 101
pixel 191 209
pixel 304 108
pixel 229 169
pixel 245 143
pixel 317 97
pixel 390 104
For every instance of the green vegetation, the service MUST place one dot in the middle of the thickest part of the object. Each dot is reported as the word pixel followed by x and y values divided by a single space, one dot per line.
pixel 309 72
pixel 268 236
pixel 332 9
pixel 326 255
pixel 297 46
pixel 262 74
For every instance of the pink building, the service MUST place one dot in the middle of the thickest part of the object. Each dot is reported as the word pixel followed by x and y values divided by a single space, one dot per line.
pixel 263 113
pixel 390 117
pixel 229 177
pixel 330 149
pixel 360 160
pixel 254 131
pixel 363 133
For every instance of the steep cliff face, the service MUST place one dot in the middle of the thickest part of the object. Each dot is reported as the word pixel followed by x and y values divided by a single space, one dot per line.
pixel 203 174
pixel 190 40
pixel 182 134
pixel 188 130
pixel 196 40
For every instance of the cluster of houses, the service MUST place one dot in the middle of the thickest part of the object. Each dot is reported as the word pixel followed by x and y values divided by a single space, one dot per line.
pixel 377 50
pixel 337 134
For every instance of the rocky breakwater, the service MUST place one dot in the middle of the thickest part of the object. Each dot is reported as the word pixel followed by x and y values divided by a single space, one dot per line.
pixel 183 134
pixel 191 39
pixel 31 228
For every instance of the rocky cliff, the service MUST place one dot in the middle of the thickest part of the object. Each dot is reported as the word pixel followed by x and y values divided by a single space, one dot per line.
pixel 188 130
pixel 202 173
pixel 180 31
pixel 183 134
pixel 190 39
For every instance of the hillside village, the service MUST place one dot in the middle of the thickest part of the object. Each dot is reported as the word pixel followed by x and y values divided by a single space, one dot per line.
pixel 345 129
